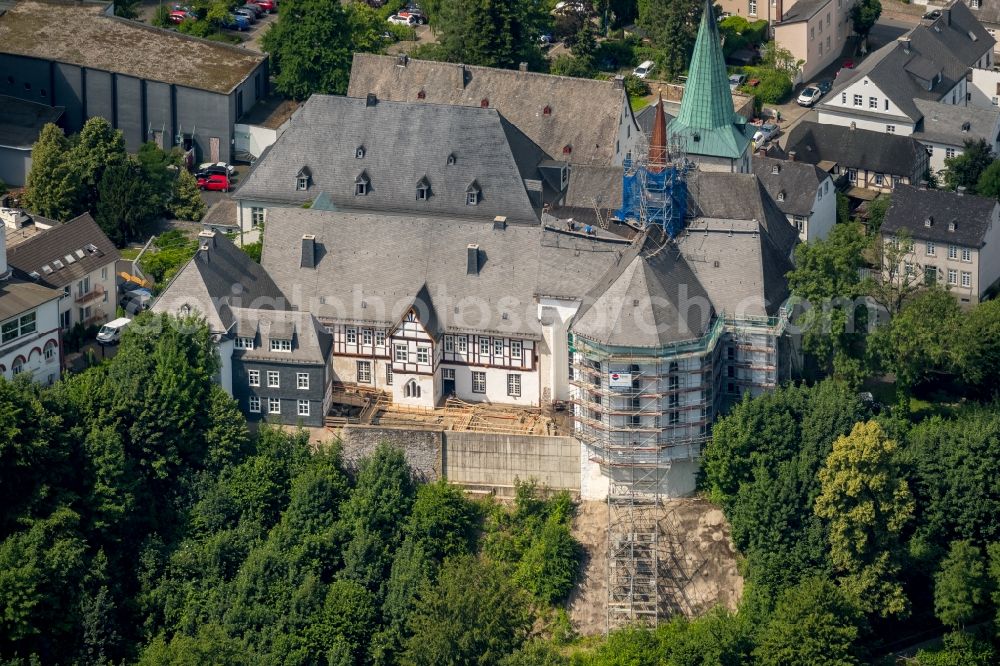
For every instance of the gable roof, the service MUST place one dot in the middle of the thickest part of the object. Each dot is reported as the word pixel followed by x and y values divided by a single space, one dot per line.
pixel 953 124
pixel 803 10
pixel 987 12
pixel 83 34
pixel 856 148
pixel 958 31
pixel 582 113
pixel 18 295
pixel 217 279
pixel 79 247
pixel 707 122
pixel 797 180
pixel 910 208
pixel 402 143
pixel 310 341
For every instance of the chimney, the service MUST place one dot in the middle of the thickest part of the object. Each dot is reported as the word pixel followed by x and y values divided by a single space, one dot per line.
pixel 522 67
pixel 308 251
pixel 922 185
pixel 619 82
pixel 461 76
pixel 946 15
pixel 905 43
pixel 500 222
pixel 791 155
pixel 4 269
pixel 206 243
pixel 473 260
pixel 402 59
pixel 854 126
pixel 371 100
pixel 960 190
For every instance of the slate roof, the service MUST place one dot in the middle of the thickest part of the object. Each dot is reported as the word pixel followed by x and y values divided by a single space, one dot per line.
pixel 18 295
pixel 988 11
pixel 82 34
pixel 906 74
pixel 371 269
pixel 706 122
pixel 401 144
pixel 797 180
pixel 217 280
pixel 645 116
pixel 910 208
pixel 583 113
pixel 21 121
pixel 79 247
pixel 953 125
pixel 650 299
pixel 857 148
pixel 803 10
pixel 591 188
pixel 310 341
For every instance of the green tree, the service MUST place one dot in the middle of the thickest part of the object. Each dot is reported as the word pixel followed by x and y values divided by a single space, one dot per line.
pixel 864 16
pixel 125 201
pixel 966 168
pixel 961 587
pixel 960 649
pixel 584 47
pixel 899 275
pixel 814 623
pixel 781 59
pixel 211 645
pixel 866 501
pixel 471 615
pixel 186 202
pixel 979 349
pixel 52 188
pixel 988 184
pixel 672 26
pixel 127 8
pixel 876 210
pixel 550 565
pixel 443 522
pixel 313 42
pixel 97 147
pixel 511 37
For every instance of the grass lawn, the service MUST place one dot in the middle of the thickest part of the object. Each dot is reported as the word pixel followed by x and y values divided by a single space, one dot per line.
pixel 129 253
pixel 638 102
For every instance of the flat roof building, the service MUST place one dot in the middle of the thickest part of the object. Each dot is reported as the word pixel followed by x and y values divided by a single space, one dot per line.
pixel 20 124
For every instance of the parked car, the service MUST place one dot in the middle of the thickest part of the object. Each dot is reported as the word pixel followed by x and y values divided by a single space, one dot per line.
pixel 766 132
pixel 409 20
pixel 111 333
pixel 267 5
pixel 569 8
pixel 825 86
pixel 212 169
pixel 233 22
pixel 644 69
pixel 225 166
pixel 809 95
pixel 848 64
pixel 178 16
pixel 215 182
pixel 256 9
pixel 415 13
pixel 250 15
pixel 546 39
pixel 736 80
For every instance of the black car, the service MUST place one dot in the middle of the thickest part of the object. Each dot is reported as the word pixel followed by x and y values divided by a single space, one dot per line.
pixel 212 169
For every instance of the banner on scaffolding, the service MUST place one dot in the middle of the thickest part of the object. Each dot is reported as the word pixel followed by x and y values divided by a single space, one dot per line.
pixel 620 380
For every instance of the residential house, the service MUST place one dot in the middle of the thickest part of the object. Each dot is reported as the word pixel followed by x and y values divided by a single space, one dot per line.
pixel 814 31
pixel 944 129
pixel 152 84
pixel 29 324
pixel 78 259
pixel 931 62
pixel 402 157
pixel 956 239
pixel 20 124
pixel 804 193
pixel 988 13
pixel 274 361
pixel 707 130
pixel 582 121
pixel 869 162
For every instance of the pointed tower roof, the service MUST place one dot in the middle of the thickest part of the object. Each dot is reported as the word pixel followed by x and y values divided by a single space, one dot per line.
pixel 658 139
pixel 707 120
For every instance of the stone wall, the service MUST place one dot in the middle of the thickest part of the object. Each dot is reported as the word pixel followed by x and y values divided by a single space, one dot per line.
pixel 496 461
pixel 422 447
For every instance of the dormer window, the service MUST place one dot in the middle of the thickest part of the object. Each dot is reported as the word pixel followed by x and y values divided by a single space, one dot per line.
pixel 781 195
pixel 547 111
pixel 451 159
pixel 567 149
pixel 473 194
pixel 423 189
pixel 485 103
pixel 421 95
pixel 776 169
pixel 362 184
pixel 929 222
pixel 244 343
pixel 302 179
pixel 360 152
pixel 952 226
pixel 279 345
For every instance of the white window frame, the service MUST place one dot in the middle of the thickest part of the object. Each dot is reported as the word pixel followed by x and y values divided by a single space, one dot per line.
pixel 302 408
pixel 966 254
pixel 367 338
pixel 380 338
pixel 478 381
pixel 498 347
pixel 423 355
pixel 449 344
pixel 859 100
pixel 257 216
pixel 302 183
pixel 364 370
pixel 966 279
pixel 351 335
pixel 462 344
pixel 254 404
pixel 752 7
pixel 448 374
pixel 930 249
pixel 514 385
pixel 388 374
pixel 953 252
pixel 516 349
pixel 274 405
pixel 302 381
pixel 244 343
pixel 50 352
pixel 253 377
pixel 952 276
pixel 273 379
pixel 400 354
pixel 484 346
pixel 281 345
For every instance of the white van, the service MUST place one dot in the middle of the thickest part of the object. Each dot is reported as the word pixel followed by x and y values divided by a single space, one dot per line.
pixel 644 69
pixel 111 333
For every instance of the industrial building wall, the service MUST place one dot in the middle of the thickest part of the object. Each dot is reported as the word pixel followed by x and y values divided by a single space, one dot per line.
pixel 14 166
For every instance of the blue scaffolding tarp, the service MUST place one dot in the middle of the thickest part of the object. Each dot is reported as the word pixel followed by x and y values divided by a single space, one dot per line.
pixel 654 197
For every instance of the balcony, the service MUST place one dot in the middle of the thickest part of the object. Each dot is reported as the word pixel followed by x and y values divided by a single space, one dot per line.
pixel 94 294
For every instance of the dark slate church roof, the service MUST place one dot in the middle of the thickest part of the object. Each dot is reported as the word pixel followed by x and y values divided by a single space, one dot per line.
pixel 798 181
pixel 953 218
pixel 395 146
pixel 856 148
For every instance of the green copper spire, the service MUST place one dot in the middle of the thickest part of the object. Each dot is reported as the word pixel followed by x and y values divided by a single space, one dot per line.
pixel 707 121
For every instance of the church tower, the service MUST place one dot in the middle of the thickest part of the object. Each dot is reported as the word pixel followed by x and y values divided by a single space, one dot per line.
pixel 712 134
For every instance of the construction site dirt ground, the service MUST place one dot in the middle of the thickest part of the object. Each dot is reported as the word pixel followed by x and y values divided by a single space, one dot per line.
pixel 700 562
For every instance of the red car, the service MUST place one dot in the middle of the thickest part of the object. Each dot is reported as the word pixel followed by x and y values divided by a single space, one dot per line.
pixel 179 16
pixel 215 182
pixel 267 5
pixel 848 64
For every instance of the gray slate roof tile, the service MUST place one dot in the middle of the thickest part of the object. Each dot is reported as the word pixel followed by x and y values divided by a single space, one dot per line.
pixel 911 207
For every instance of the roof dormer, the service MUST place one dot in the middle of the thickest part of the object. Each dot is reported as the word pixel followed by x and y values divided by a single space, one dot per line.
pixel 473 194
pixel 303 179
pixel 423 189
pixel 362 184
